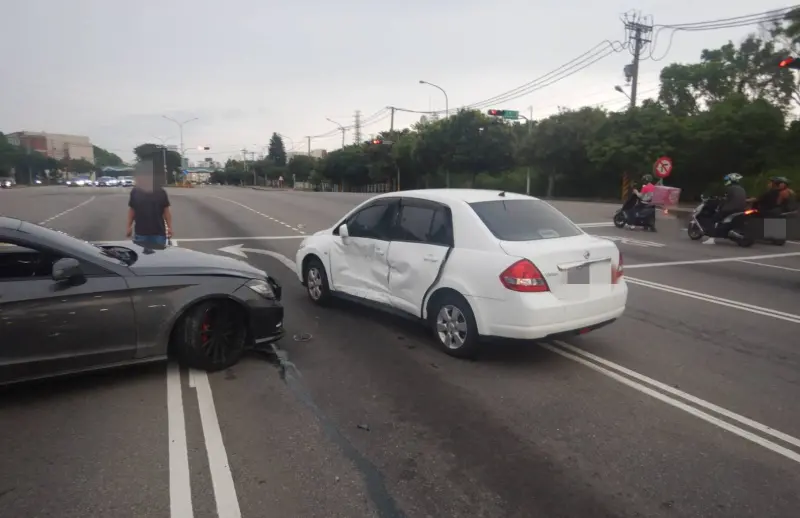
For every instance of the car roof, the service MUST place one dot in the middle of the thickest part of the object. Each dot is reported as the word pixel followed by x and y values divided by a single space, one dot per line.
pixel 453 195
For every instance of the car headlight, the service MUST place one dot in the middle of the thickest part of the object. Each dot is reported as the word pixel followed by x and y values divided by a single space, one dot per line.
pixel 262 288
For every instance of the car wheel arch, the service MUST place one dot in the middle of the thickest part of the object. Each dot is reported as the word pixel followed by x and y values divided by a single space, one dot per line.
pixel 306 260
pixel 178 318
pixel 438 294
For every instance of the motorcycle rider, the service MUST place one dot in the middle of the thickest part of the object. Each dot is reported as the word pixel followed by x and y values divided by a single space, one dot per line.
pixel 778 200
pixel 735 200
pixel 643 196
pixel 646 194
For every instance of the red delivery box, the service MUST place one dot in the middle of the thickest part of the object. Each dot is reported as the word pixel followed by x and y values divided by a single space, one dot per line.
pixel 664 196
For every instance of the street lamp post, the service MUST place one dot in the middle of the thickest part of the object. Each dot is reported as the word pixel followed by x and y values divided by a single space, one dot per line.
pixel 342 128
pixel 530 129
pixel 446 115
pixel 180 127
pixel 623 92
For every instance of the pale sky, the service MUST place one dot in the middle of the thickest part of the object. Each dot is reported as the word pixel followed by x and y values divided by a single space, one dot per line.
pixel 110 69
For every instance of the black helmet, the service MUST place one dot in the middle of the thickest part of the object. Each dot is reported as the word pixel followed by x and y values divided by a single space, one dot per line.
pixel 779 179
pixel 647 178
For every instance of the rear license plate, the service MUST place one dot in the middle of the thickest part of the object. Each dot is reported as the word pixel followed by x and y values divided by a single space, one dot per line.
pixel 579 275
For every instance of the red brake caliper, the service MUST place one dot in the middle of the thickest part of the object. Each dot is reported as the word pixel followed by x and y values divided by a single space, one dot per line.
pixel 205 327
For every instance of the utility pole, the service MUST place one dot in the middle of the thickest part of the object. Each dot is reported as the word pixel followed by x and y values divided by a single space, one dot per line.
pixel 639 32
pixel 357 128
pixel 309 147
pixel 391 123
pixel 341 128
pixel 528 173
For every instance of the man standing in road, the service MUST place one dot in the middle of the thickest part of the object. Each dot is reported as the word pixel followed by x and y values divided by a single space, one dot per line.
pixel 149 217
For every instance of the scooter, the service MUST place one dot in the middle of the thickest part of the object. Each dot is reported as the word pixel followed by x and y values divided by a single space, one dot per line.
pixel 790 215
pixel 732 227
pixel 636 213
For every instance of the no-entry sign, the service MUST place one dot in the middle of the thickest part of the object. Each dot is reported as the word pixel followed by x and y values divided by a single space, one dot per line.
pixel 663 167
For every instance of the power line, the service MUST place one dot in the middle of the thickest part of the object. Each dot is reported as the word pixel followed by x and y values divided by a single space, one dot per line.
pixel 773 15
pixel 585 60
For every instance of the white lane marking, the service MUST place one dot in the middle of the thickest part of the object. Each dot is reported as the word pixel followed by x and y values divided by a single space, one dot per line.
pixel 757 310
pixel 180 491
pixel 772 266
pixel 262 214
pixel 174 242
pixel 777 448
pixel 596 224
pixel 711 261
pixel 67 211
pixel 630 241
pixel 246 238
pixel 238 250
pixel 221 476
pixel 794 242
pixel 684 395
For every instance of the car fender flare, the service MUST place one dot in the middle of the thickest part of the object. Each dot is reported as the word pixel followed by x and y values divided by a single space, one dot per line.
pixel 307 253
pixel 165 337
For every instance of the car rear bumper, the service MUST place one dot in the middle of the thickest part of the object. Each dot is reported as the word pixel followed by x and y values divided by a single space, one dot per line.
pixel 529 317
pixel 264 315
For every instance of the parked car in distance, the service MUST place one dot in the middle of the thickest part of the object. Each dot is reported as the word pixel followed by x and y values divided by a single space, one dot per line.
pixel 107 181
pixel 80 181
pixel 69 306
pixel 472 264
pixel 126 181
pixel 6 182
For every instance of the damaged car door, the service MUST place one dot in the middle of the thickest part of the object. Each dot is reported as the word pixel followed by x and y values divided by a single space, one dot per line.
pixel 359 261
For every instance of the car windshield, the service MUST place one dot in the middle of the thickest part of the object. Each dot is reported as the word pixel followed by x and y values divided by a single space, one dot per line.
pixel 524 220
pixel 62 240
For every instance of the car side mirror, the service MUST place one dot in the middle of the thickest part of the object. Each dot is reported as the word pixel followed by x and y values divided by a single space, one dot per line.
pixel 67 269
pixel 343 232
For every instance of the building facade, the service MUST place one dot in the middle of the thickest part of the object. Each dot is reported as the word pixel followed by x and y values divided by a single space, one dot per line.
pixel 54 145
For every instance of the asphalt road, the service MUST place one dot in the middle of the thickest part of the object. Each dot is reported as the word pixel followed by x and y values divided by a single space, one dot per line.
pixel 686 407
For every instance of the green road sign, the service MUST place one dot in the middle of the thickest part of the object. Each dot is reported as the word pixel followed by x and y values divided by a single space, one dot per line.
pixel 510 115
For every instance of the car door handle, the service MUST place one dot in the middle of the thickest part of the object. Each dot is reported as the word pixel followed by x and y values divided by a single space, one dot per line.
pixel 431 258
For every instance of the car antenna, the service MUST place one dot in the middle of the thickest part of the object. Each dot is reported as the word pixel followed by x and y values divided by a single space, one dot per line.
pixel 502 193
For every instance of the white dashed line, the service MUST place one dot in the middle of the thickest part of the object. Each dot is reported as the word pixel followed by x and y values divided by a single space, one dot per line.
pixel 66 211
pixel 242 205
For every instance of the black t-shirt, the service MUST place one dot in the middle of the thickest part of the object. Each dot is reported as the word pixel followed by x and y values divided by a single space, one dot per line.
pixel 148 211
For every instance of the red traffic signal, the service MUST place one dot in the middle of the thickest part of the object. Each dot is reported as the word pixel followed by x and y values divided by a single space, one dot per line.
pixel 377 141
pixel 496 113
pixel 790 62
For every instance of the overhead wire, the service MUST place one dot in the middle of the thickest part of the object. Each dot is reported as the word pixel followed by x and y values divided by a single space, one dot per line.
pixel 593 55
pixel 773 15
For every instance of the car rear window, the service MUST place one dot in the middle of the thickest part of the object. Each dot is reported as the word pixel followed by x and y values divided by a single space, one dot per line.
pixel 524 220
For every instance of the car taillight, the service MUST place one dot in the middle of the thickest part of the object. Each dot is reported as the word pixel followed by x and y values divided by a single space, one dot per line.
pixel 617 270
pixel 524 276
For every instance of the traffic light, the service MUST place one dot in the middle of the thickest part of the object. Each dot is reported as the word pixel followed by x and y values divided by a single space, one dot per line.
pixel 790 62
pixel 506 114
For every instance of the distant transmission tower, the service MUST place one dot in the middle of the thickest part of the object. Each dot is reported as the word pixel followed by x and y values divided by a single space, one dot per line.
pixel 357 128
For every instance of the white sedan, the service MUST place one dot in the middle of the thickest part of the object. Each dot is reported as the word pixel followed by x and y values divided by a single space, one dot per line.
pixel 473 264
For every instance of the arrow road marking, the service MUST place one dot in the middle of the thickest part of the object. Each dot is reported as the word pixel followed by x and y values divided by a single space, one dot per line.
pixel 242 252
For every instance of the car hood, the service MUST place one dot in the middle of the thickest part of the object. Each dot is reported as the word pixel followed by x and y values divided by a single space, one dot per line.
pixel 173 260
